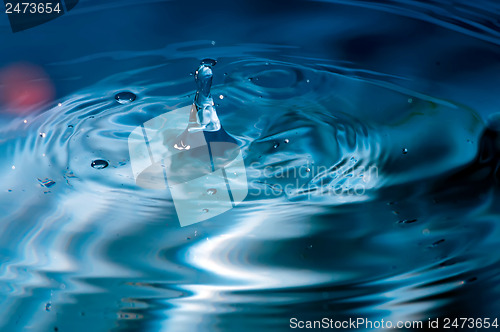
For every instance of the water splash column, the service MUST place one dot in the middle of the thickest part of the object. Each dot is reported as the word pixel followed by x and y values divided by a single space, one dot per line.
pixel 189 152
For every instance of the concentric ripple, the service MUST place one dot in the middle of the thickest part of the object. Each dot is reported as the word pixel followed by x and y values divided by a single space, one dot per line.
pixel 338 161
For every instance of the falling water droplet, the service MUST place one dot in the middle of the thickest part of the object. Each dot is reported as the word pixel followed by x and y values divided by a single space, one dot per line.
pixel 211 191
pixel 125 97
pixel 407 221
pixel 438 243
pixel 43 134
pixel 99 164
pixel 405 151
pixel 287 140
pixel 276 145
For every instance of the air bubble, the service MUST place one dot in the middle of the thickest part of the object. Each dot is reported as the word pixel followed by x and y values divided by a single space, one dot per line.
pixel 287 140
pixel 125 97
pixel 276 145
pixel 404 151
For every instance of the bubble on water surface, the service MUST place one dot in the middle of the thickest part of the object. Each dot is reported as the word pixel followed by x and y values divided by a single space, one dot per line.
pixel 99 164
pixel 209 62
pixel 125 97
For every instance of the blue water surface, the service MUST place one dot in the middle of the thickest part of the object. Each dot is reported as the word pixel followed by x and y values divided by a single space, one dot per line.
pixel 370 134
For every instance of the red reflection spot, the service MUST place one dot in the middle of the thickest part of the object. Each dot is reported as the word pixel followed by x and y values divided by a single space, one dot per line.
pixel 24 86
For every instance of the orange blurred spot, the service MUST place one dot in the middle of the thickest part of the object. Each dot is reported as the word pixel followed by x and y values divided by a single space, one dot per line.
pixel 23 87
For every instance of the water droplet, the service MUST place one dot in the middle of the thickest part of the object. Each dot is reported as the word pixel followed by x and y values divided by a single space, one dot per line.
pixel 287 140
pixel 407 221
pixel 213 42
pixel 221 97
pixel 25 121
pixel 410 100
pixel 59 104
pixel 438 242
pixel 308 169
pixel 276 145
pixel 13 167
pixel 205 210
pixel 70 126
pixel 48 306
pixel 211 191
pixel 46 182
pixel 99 164
pixel 308 81
pixel 209 62
pixel 405 151
pixel 125 97
pixel 43 134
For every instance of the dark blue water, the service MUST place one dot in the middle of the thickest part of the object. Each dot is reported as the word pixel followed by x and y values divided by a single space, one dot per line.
pixel 370 134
